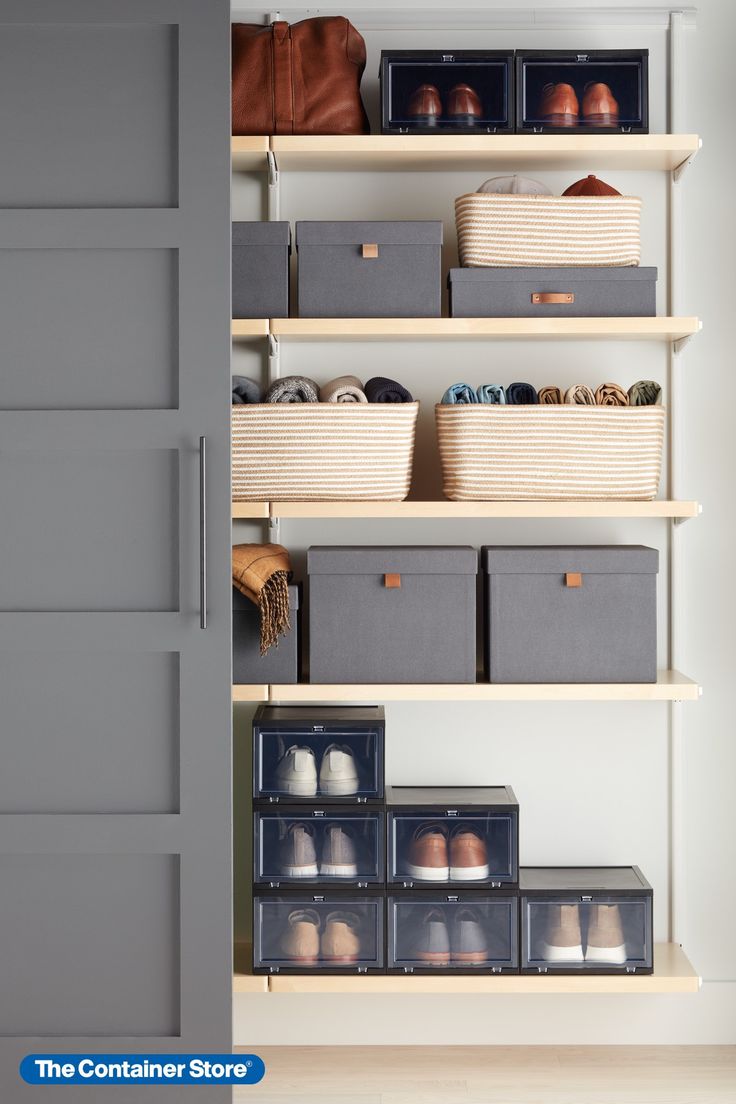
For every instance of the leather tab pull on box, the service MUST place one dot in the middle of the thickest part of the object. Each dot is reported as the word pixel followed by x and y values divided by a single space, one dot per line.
pixel 553 297
pixel 392 581
pixel 369 249
pixel 573 579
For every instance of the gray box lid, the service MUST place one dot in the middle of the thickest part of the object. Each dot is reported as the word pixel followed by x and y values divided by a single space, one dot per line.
pixel 403 232
pixel 603 559
pixel 241 604
pixel 561 879
pixel 383 559
pixel 569 275
pixel 461 797
pixel 261 233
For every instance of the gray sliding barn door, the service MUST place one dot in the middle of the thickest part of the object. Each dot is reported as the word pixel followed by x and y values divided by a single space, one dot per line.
pixel 115 715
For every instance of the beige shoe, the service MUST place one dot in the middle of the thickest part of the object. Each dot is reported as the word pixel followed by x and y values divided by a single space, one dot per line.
pixel 606 941
pixel 340 939
pixel 300 941
pixel 562 941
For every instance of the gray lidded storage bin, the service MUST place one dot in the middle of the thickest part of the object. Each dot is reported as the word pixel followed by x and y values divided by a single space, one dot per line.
pixel 261 269
pixel 281 663
pixel 397 276
pixel 571 614
pixel 392 614
pixel 578 292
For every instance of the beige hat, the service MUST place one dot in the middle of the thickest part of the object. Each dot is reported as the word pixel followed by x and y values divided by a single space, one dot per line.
pixel 515 185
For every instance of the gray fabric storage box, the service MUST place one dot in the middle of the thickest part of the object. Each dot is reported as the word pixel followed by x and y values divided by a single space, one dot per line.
pixel 510 292
pixel 365 626
pixel 571 614
pixel 400 277
pixel 261 269
pixel 281 663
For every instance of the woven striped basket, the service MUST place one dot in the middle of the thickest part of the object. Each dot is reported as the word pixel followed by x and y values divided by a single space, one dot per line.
pixel 323 451
pixel 562 453
pixel 506 231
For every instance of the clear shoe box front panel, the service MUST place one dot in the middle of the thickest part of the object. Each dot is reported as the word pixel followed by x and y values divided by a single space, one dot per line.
pixel 588 929
pixel 430 933
pixel 335 846
pixel 447 92
pixel 459 836
pixel 330 933
pixel 303 754
pixel 594 91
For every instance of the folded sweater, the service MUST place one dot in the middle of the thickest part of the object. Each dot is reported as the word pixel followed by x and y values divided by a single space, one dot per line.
pixel 344 389
pixel 245 390
pixel 382 390
pixel 292 389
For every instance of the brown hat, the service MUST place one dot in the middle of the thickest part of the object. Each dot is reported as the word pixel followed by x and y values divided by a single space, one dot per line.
pixel 590 186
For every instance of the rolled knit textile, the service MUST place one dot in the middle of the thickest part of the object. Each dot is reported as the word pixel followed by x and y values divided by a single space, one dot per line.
pixel 580 395
pixel 292 389
pixel 521 394
pixel 245 390
pixel 261 572
pixel 645 393
pixel 550 396
pixel 382 390
pixel 343 389
pixel 610 394
pixel 459 393
pixel 491 393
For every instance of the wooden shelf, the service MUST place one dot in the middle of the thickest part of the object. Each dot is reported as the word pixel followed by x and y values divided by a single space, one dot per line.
pixel 250 327
pixel 672 974
pixel 479 329
pixel 459 153
pixel 659 508
pixel 250 154
pixel 670 686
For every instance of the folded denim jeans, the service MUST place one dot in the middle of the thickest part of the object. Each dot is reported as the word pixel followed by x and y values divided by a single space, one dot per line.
pixel 521 394
pixel 491 393
pixel 460 393
pixel 645 393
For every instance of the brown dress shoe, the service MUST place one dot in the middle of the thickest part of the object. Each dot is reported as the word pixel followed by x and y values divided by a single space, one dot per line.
pixel 599 107
pixel 468 855
pixel 340 939
pixel 428 859
pixel 300 941
pixel 559 106
pixel 463 105
pixel 425 105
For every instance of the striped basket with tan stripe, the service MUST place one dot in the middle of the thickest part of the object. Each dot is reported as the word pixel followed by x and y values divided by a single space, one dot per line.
pixel 560 453
pixel 323 451
pixel 506 231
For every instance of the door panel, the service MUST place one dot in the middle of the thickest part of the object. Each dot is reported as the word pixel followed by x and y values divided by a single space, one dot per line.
pixel 115 711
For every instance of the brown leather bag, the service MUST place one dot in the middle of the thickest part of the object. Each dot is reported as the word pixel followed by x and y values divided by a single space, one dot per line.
pixel 300 79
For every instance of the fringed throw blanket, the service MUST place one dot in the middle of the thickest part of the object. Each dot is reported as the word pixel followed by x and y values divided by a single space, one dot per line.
pixel 261 572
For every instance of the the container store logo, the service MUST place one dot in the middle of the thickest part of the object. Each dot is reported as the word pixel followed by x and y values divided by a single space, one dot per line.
pixel 142 1069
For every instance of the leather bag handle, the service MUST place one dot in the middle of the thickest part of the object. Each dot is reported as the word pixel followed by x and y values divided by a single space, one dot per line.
pixel 283 86
pixel 552 297
pixel 392 580
pixel 573 579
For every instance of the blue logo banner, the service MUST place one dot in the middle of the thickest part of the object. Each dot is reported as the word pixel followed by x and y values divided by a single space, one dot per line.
pixel 142 1069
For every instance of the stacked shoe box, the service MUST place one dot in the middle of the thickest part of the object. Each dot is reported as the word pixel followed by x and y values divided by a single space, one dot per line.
pixel 452 880
pixel 319 840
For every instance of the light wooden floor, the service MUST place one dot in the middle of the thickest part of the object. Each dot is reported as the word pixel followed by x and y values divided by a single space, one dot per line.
pixel 496 1075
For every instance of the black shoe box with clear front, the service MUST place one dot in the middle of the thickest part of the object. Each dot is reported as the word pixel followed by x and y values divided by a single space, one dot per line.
pixel 624 72
pixel 319 932
pixel 585 920
pixel 334 846
pixel 291 746
pixel 464 837
pixel 440 932
pixel 479 79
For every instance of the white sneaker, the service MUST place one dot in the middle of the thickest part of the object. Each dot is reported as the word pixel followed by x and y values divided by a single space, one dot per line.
pixel 296 772
pixel 338 776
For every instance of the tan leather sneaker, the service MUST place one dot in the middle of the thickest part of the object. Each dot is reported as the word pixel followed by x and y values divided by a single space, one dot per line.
pixel 300 941
pixel 428 858
pixel 468 855
pixel 562 941
pixel 606 943
pixel 340 939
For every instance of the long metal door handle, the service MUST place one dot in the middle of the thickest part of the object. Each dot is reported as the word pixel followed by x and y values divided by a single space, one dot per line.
pixel 203 532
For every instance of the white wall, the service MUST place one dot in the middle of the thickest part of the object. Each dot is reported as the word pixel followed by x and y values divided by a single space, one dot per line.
pixel 611 805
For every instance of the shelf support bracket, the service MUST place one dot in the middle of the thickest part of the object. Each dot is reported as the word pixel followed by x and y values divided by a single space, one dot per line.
pixel 274 530
pixel 679 170
pixel 274 358
pixel 274 188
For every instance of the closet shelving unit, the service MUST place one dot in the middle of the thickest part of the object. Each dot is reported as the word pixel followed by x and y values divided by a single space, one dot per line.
pixel 671 153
